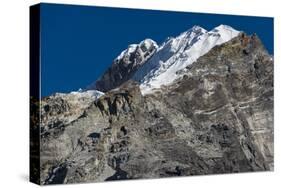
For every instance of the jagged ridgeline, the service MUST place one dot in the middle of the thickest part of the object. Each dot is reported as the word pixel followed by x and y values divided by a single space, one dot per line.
pixel 200 103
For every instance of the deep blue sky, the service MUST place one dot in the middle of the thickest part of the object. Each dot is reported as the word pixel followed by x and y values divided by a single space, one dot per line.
pixel 80 42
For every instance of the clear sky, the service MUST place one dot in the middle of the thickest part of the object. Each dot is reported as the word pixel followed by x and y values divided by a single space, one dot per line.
pixel 78 43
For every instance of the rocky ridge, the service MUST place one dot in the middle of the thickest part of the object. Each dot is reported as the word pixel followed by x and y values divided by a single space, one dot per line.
pixel 153 66
pixel 216 118
pixel 125 65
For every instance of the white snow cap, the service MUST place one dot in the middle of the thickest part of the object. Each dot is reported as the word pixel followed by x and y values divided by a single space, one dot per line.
pixel 177 53
pixel 95 94
pixel 148 43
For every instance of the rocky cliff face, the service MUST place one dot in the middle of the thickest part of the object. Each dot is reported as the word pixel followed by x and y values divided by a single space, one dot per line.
pixel 125 65
pixel 216 118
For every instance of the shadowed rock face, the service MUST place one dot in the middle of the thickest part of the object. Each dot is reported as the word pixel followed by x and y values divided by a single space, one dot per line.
pixel 218 118
pixel 124 66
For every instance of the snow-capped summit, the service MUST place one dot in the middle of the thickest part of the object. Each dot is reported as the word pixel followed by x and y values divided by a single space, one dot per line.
pixel 177 53
pixel 153 66
pixel 166 54
pixel 125 65
pixel 144 45
pixel 226 32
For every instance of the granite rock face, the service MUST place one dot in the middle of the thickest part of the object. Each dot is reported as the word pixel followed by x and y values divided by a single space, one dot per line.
pixel 216 118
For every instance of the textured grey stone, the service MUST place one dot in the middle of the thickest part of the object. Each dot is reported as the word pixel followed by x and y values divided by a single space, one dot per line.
pixel 218 118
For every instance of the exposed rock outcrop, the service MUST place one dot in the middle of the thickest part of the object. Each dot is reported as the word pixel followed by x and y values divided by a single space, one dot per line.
pixel 125 65
pixel 216 118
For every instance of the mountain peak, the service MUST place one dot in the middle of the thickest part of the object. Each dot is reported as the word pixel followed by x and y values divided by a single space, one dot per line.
pixel 223 27
pixel 225 33
pixel 125 65
pixel 198 28
pixel 154 65
pixel 177 53
pixel 148 42
pixel 132 48
pixel 193 32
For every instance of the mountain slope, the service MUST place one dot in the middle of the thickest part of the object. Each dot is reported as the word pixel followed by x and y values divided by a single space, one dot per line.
pixel 154 66
pixel 163 69
pixel 216 118
pixel 125 65
pixel 63 108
